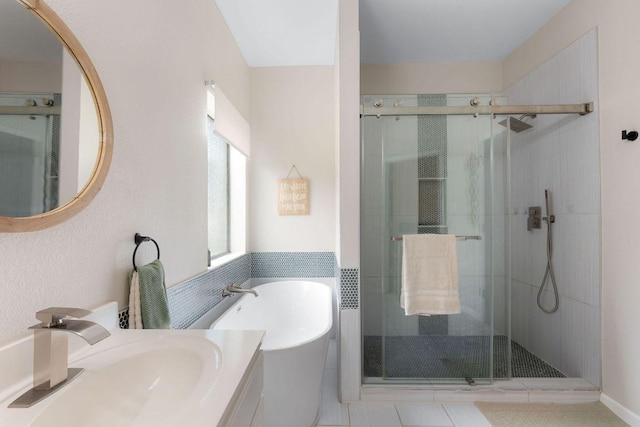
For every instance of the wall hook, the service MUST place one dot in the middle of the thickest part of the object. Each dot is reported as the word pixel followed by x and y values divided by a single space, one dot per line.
pixel 630 136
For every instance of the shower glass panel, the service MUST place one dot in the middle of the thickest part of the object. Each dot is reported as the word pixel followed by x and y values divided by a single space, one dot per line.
pixel 29 159
pixel 430 174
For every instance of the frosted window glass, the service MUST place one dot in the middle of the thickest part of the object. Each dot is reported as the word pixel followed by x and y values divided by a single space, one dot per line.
pixel 218 194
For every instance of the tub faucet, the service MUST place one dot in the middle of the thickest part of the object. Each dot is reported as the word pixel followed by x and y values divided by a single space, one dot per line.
pixel 51 350
pixel 233 288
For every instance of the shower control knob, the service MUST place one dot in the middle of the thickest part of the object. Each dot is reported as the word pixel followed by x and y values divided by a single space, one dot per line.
pixel 533 222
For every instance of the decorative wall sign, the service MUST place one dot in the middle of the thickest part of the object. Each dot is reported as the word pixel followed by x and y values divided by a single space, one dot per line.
pixel 293 195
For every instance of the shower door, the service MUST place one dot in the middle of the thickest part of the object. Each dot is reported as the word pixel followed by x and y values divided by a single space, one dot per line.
pixel 29 156
pixel 27 182
pixel 427 174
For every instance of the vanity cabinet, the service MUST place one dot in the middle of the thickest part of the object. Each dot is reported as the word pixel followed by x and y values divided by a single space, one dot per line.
pixel 246 407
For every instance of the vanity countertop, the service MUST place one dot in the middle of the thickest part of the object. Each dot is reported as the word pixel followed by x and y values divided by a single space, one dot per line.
pixel 238 350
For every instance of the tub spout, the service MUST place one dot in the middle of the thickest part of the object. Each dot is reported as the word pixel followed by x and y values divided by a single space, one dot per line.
pixel 233 288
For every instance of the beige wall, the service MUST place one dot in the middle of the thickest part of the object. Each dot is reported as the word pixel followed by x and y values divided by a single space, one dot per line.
pixel 153 61
pixel 292 123
pixel 459 77
pixel 25 76
pixel 619 42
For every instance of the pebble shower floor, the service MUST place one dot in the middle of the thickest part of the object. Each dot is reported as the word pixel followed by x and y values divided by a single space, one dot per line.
pixel 432 356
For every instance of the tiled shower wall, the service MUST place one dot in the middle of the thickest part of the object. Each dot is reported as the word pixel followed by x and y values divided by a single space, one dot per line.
pixel 559 153
pixel 191 299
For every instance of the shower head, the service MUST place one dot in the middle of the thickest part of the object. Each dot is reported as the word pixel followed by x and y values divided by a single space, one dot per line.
pixel 516 125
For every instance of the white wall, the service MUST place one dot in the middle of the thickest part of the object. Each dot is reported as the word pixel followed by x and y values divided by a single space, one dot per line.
pixel 292 123
pixel 619 89
pixel 348 190
pixel 152 58
pixel 70 131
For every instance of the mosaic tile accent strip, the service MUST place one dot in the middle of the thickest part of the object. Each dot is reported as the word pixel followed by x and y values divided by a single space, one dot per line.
pixel 432 163
pixel 123 318
pixel 191 299
pixel 432 139
pixel 349 289
pixel 292 264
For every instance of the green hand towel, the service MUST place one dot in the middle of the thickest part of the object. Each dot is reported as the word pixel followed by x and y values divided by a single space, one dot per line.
pixel 153 296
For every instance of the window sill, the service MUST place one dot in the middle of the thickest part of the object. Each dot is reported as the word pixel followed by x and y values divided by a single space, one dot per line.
pixel 224 259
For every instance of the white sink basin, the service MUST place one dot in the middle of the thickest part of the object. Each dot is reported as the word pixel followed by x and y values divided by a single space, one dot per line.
pixel 149 382
pixel 137 378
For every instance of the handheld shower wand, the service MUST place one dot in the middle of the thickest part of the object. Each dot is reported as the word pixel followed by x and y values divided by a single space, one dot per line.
pixel 548 274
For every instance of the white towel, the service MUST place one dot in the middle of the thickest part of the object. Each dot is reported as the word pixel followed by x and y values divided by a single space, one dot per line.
pixel 135 311
pixel 429 275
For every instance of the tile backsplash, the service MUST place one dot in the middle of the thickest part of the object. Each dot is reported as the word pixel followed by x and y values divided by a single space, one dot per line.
pixel 292 264
pixel 191 299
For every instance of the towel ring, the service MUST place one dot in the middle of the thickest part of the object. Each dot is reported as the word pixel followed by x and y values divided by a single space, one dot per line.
pixel 139 240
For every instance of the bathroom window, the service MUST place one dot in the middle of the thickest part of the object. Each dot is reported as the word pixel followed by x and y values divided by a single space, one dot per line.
pixel 218 193
pixel 227 180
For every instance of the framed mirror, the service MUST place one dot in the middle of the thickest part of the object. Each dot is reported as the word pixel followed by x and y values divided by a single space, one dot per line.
pixel 56 133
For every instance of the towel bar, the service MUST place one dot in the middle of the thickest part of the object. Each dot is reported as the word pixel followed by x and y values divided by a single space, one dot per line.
pixel 139 239
pixel 459 238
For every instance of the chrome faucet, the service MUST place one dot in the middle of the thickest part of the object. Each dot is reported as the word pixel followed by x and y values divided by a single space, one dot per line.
pixel 233 288
pixel 51 350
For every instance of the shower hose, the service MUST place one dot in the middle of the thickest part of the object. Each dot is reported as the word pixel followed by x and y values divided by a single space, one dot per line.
pixel 548 274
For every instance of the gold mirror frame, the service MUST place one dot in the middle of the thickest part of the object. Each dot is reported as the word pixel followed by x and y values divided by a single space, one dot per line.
pixel 105 126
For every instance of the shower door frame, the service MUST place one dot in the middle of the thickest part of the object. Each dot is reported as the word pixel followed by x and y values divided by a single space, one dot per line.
pixel 493 109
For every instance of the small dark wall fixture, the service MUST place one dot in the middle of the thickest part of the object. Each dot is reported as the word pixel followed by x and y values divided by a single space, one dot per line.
pixel 630 135
pixel 139 239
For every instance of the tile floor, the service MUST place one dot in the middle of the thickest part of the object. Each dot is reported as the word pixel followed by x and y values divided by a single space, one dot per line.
pixel 384 414
pixel 377 411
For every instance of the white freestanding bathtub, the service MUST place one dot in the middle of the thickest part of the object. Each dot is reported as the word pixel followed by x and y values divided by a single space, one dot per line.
pixel 296 316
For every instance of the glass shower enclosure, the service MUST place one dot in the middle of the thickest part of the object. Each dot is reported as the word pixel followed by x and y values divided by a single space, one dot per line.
pixel 29 156
pixel 440 174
